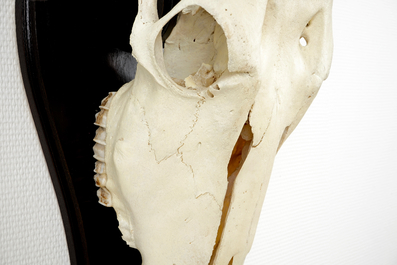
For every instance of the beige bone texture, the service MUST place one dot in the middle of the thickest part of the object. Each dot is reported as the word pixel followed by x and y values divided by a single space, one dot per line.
pixel 185 151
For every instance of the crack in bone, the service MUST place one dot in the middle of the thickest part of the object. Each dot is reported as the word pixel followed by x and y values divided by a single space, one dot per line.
pixel 183 162
pixel 181 153
pixel 178 151
pixel 212 196
pixel 148 129
pixel 267 126
pixel 196 115
pixel 195 120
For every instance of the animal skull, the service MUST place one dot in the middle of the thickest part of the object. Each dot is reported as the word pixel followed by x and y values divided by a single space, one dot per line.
pixel 185 150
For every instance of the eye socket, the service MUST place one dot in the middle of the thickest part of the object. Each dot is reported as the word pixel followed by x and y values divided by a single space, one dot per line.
pixel 303 41
pixel 195 52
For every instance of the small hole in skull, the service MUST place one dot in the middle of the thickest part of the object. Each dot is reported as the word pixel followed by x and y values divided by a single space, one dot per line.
pixel 303 41
pixel 195 51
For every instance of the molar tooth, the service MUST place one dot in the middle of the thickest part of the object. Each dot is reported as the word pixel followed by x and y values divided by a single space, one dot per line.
pixel 99 152
pixel 105 198
pixel 100 136
pixel 105 104
pixel 100 118
pixel 100 180
pixel 100 167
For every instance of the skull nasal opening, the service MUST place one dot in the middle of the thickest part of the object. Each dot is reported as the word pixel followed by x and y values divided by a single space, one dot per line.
pixel 195 50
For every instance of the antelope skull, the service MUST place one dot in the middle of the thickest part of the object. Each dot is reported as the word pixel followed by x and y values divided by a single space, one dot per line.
pixel 185 151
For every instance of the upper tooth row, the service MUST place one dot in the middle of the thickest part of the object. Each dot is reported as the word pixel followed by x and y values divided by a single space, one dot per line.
pixel 100 178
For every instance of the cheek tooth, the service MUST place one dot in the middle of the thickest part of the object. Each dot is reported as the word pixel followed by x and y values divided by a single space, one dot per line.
pixel 100 136
pixel 100 167
pixel 99 152
pixel 100 180
pixel 105 198
pixel 100 118
pixel 105 104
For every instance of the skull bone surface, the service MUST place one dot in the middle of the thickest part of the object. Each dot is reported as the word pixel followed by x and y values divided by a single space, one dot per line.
pixel 185 151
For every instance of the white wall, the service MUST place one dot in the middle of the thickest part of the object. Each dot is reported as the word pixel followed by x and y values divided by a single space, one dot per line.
pixel 31 229
pixel 332 197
